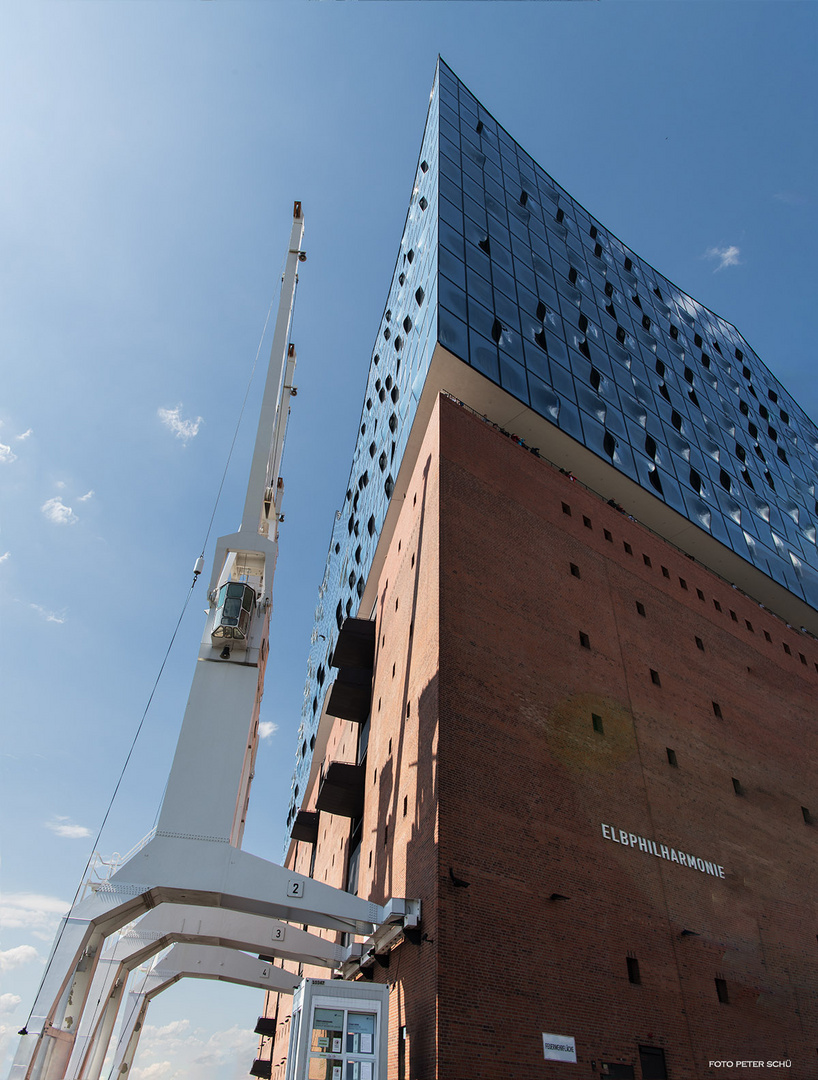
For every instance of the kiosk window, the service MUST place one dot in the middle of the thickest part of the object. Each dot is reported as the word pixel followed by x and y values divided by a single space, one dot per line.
pixel 327 1032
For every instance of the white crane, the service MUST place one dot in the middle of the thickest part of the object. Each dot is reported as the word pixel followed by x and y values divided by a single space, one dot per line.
pixel 195 857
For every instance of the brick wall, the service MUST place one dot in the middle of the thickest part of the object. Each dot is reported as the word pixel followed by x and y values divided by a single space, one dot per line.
pixel 540 631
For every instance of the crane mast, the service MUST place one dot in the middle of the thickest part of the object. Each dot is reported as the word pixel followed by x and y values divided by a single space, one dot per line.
pixel 194 861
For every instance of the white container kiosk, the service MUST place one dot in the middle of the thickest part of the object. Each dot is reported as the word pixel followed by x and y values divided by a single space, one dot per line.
pixel 338 1031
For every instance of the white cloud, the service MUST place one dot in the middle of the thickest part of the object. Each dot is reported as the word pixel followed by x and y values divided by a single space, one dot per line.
pixel 168 1052
pixel 16 957
pixel 182 429
pixel 88 495
pixel 9 1002
pixel 227 1046
pixel 49 616
pixel 152 1072
pixel 56 510
pixel 4 556
pixel 267 728
pixel 794 198
pixel 34 912
pixel 6 455
pixel 173 1030
pixel 727 256
pixel 25 435
pixel 63 827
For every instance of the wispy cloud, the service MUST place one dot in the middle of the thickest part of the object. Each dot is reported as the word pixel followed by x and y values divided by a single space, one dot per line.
pixel 56 510
pixel 88 495
pixel 266 729
pixel 169 1051
pixel 9 1002
pixel 182 429
pixel 16 957
pixel 157 1071
pixel 225 1047
pixel 727 256
pixel 6 455
pixel 49 616
pixel 62 826
pixel 34 912
pixel 25 435
pixel 4 556
pixel 794 198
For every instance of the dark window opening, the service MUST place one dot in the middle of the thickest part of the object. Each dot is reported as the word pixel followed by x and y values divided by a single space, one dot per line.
pixel 717 605
pixel 700 594
pixel 640 607
pixel 671 758
pixel 627 547
pixel 807 816
pixel 574 570
pixel 665 572
pixel 646 560
pixel 721 991
pixel 566 509
pixel 737 788
pixel 607 536
pixel 633 970
pixel 584 640
pixel 682 583
pixel 586 521
pixel 596 721
pixel 699 644
pixel 654 677
pixel 717 710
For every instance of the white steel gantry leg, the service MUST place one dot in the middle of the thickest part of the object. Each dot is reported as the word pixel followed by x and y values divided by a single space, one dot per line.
pixel 169 924
pixel 195 962
pixel 195 856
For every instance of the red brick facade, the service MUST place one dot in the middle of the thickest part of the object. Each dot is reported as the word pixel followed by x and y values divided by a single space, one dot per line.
pixel 546 666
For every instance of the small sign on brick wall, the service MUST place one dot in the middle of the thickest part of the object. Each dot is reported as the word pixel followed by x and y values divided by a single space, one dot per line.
pixel 559 1048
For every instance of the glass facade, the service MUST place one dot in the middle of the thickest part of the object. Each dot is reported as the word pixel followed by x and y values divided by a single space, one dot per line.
pixel 502 267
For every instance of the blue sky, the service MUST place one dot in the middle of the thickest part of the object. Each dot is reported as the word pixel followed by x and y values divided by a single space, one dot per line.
pixel 152 153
